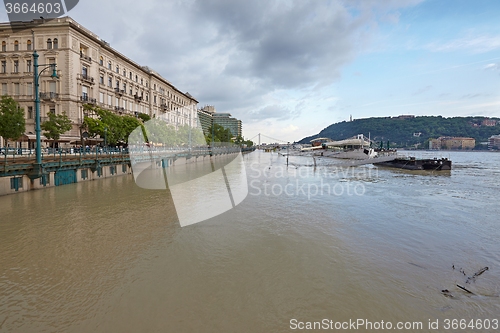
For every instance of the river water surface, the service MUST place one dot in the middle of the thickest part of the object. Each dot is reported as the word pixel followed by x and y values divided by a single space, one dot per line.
pixel 307 244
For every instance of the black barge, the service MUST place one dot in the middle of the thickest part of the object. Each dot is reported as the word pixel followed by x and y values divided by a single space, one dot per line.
pixel 412 163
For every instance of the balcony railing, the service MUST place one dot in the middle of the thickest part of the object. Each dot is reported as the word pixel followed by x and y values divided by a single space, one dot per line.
pixel 138 98
pixel 119 91
pixel 119 109
pixel 49 95
pixel 164 107
pixel 85 57
pixel 88 100
pixel 86 78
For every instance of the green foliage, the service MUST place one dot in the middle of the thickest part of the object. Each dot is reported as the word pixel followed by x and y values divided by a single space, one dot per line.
pixel 400 131
pixel 220 134
pixel 12 123
pixel 107 124
pixel 240 141
pixel 158 132
pixel 56 125
pixel 144 117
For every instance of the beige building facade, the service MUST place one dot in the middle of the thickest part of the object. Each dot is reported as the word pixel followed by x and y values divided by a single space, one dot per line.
pixel 452 143
pixel 90 71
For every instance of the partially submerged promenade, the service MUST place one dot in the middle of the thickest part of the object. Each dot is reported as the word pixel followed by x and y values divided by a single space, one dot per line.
pixel 18 172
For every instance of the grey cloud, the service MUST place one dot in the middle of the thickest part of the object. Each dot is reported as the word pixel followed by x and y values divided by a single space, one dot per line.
pixel 277 112
pixel 232 53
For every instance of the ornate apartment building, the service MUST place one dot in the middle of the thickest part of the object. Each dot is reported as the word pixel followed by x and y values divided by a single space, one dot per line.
pixel 90 71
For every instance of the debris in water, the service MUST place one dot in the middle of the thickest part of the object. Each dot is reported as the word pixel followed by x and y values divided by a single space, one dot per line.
pixel 479 272
pixel 411 263
pixel 447 293
pixel 465 289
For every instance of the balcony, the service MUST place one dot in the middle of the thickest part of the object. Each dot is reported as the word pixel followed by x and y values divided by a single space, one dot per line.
pixel 85 57
pixel 138 98
pixel 119 109
pixel 49 96
pixel 119 92
pixel 87 78
pixel 86 99
pixel 164 107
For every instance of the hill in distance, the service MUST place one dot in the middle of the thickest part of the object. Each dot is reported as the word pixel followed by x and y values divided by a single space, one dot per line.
pixel 409 131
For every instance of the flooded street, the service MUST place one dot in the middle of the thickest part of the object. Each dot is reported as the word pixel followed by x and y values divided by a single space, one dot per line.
pixel 307 244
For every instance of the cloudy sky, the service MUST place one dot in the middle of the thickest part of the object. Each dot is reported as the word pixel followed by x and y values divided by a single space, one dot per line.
pixel 290 68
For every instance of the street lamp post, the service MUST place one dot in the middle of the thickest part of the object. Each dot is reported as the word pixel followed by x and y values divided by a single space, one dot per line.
pixel 36 79
pixel 287 153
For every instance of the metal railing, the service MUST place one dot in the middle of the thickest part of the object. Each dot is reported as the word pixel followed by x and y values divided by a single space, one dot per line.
pixel 87 77
pixel 18 153
pixel 88 100
pixel 49 95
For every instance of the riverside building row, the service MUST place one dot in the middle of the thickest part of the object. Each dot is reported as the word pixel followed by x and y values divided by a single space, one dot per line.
pixel 90 71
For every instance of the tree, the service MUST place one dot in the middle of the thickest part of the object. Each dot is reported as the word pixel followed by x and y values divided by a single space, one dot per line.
pixel 116 128
pixel 55 126
pixel 221 134
pixel 12 123
pixel 144 117
pixel 129 124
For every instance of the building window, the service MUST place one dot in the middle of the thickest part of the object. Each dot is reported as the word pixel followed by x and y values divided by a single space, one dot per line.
pixel 130 74
pixel 110 99
pixel 130 91
pixel 4 66
pixel 52 86
pixel 101 61
pixel 101 79
pixel 52 109
pixel 84 72
pixel 146 84
pixel 124 72
pixel 56 44
pixel 109 64
pixel 16 89
pixel 16 66
pixel 136 79
pixel 141 82
pixel 30 112
pixel 4 46
pixel 85 95
pixel 147 98
pixel 110 82
pixel 124 87
pixel 16 45
pixel 117 69
pixel 28 66
pixel 4 88
pixel 28 45
pixel 101 98
pixel 154 99
pixel 29 89
pixel 49 43
pixel 117 84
